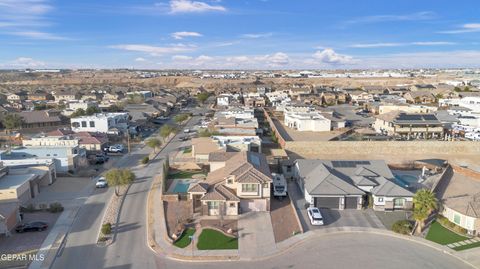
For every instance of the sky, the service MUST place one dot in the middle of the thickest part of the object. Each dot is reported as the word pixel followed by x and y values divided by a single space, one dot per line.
pixel 239 34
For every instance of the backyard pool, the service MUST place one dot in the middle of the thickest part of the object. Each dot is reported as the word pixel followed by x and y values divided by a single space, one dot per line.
pixel 405 180
pixel 180 185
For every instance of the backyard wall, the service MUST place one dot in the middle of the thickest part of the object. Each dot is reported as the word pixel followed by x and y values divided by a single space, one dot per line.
pixel 460 152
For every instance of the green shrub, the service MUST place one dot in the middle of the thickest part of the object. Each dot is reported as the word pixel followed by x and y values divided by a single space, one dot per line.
pixel 402 227
pixel 28 209
pixel 102 239
pixel 145 160
pixel 107 228
pixel 450 225
pixel 55 207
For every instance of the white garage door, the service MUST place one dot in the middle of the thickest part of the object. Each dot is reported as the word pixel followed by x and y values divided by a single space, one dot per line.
pixel 249 205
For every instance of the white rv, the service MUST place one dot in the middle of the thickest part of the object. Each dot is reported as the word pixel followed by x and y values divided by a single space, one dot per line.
pixel 279 185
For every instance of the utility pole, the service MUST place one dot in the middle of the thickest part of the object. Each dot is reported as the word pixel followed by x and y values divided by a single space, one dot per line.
pixel 128 140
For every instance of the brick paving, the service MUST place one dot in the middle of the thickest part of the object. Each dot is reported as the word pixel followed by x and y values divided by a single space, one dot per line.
pixel 284 221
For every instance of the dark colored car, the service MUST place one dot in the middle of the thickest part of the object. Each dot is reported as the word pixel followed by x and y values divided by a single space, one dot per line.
pixel 34 226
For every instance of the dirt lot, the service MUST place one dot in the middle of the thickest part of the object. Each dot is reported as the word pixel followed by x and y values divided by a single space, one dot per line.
pixel 284 220
pixel 176 213
pixel 31 240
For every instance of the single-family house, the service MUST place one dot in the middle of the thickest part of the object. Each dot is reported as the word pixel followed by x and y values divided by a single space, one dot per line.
pixel 345 184
pixel 242 185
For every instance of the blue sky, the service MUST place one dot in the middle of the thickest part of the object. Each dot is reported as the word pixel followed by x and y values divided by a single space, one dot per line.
pixel 236 34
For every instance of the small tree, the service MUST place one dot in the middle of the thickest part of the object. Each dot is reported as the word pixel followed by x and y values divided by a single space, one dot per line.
pixel 12 121
pixel 119 177
pixel 180 118
pixel 92 110
pixel 166 130
pixel 78 113
pixel 424 202
pixel 153 143
pixel 202 97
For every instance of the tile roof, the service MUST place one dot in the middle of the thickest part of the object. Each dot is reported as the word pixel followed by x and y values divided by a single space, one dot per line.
pixel 38 117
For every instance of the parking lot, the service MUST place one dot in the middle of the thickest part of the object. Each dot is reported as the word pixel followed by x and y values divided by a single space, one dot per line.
pixel 333 217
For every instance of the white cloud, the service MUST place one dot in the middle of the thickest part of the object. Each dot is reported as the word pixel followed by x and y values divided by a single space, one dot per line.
pixel 39 35
pixel 418 16
pixel 259 35
pixel 154 50
pixel 418 43
pixel 181 35
pixel 24 18
pixel 376 45
pixel 187 6
pixel 433 43
pixel 181 58
pixel 140 59
pixel 277 59
pixel 204 58
pixel 465 28
pixel 23 62
pixel 329 56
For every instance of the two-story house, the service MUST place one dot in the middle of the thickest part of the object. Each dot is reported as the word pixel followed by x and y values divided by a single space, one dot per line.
pixel 241 185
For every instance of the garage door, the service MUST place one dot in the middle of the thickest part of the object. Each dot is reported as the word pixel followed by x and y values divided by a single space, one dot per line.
pixel 327 202
pixel 351 203
pixel 253 205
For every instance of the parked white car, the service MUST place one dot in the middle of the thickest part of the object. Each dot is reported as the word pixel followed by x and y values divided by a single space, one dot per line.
pixel 101 183
pixel 315 216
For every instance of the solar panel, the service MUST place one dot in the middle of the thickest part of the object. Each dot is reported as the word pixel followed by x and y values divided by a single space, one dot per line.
pixel 349 164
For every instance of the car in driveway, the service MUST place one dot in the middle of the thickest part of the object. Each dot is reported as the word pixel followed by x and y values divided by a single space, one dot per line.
pixel 34 226
pixel 315 216
pixel 101 183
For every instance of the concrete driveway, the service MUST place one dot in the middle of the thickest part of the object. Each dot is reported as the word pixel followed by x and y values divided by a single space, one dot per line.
pixel 332 217
pixel 256 236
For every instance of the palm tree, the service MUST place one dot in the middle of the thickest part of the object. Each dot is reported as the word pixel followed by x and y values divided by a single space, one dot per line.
pixel 424 202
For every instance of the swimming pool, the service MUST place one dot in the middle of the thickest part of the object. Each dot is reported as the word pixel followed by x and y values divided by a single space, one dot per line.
pixel 405 180
pixel 181 187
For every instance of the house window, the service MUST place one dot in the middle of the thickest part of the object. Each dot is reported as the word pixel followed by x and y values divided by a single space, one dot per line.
pixel 456 219
pixel 92 124
pixel 231 205
pixel 399 202
pixel 380 199
pixel 289 168
pixel 213 205
pixel 84 124
pixel 229 181
pixel 249 187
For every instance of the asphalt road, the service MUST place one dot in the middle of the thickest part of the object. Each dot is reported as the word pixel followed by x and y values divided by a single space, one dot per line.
pixel 130 245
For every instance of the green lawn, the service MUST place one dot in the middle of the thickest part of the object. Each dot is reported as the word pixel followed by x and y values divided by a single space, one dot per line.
pixel 212 239
pixel 184 239
pixel 187 150
pixel 442 235
pixel 474 245
pixel 184 174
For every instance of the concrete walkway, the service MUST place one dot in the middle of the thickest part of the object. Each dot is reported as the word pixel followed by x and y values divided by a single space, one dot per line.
pixel 256 238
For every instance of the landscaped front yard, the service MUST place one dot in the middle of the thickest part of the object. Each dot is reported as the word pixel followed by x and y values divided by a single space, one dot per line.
pixel 442 235
pixel 184 239
pixel 212 239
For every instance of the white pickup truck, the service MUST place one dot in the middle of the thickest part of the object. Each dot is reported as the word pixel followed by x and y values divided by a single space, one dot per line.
pixel 279 185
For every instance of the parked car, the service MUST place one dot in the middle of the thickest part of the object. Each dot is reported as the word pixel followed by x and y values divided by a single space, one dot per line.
pixel 115 148
pixel 186 130
pixel 101 183
pixel 315 216
pixel 183 138
pixel 35 226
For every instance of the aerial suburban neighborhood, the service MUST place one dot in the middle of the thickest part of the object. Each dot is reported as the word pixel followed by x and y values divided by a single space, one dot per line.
pixel 350 142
